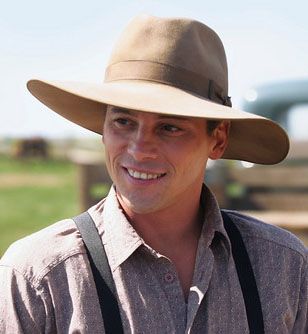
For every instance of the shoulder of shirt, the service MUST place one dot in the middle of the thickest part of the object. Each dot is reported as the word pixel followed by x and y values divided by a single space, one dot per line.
pixel 39 253
pixel 253 228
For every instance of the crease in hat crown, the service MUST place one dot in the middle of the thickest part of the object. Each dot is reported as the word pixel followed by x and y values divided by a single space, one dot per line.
pixel 179 52
pixel 171 66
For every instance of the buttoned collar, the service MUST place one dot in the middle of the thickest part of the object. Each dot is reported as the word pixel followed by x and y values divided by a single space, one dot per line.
pixel 121 240
pixel 212 221
pixel 119 237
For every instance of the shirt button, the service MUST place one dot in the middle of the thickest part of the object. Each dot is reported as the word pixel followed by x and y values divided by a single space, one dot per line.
pixel 169 278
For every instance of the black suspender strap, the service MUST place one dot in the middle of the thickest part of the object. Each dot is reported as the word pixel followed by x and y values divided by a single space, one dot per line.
pixel 105 285
pixel 246 277
pixel 101 273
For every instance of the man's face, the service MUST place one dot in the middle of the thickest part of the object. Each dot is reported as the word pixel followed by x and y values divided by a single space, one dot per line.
pixel 156 161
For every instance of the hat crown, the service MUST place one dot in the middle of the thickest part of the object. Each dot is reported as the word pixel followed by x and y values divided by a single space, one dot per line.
pixel 177 42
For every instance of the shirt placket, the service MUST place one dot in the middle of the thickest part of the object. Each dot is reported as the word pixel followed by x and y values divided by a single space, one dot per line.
pixel 199 287
pixel 166 274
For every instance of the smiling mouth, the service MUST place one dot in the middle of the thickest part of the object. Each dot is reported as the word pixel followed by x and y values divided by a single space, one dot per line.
pixel 144 176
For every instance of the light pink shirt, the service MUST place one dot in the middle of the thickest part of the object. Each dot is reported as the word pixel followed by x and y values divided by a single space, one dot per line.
pixel 46 285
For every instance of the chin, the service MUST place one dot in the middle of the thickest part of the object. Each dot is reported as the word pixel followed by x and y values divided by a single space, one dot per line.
pixel 141 208
pixel 139 205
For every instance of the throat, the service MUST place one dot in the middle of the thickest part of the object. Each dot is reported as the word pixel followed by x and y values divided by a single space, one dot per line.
pixel 175 235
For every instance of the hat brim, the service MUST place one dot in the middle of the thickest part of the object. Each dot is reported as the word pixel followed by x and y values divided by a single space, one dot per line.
pixel 252 137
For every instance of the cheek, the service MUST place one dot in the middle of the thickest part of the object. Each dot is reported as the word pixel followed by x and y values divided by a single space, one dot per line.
pixel 114 148
pixel 186 160
pixel 109 149
pixel 110 140
pixel 107 154
pixel 193 161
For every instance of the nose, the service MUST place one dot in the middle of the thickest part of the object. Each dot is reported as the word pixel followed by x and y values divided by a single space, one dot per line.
pixel 143 146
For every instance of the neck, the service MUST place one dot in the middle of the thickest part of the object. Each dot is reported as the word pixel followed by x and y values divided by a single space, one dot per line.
pixel 173 232
pixel 168 229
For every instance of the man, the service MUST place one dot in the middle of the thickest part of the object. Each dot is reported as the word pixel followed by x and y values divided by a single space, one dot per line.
pixel 163 111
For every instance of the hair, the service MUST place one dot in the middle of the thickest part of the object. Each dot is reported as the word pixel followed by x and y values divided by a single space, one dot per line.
pixel 211 125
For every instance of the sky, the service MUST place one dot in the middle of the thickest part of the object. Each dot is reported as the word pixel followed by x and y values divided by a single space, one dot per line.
pixel 265 41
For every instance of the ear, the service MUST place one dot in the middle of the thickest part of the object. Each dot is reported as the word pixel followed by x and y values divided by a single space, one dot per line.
pixel 220 140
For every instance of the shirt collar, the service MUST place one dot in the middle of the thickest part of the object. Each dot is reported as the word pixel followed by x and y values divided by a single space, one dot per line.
pixel 213 226
pixel 121 240
pixel 119 237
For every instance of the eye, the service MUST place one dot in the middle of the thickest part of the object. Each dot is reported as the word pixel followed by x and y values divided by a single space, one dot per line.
pixel 171 129
pixel 122 122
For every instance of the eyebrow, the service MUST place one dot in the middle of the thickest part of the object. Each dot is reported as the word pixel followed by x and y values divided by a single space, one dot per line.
pixel 115 110
pixel 124 111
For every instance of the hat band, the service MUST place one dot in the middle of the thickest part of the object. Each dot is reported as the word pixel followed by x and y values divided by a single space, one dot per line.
pixel 166 74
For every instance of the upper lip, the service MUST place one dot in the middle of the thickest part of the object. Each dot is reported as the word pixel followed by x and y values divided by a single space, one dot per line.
pixel 147 171
pixel 143 175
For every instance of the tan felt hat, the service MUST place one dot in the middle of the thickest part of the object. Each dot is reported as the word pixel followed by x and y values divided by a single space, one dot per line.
pixel 171 66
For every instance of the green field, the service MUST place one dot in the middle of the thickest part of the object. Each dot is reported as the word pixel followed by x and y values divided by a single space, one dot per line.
pixel 34 194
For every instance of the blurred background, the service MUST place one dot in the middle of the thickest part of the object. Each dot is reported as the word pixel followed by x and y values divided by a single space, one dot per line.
pixel 51 169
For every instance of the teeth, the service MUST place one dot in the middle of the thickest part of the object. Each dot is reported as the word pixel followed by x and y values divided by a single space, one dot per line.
pixel 142 176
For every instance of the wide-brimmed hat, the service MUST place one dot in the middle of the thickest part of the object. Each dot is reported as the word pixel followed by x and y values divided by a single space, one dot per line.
pixel 171 66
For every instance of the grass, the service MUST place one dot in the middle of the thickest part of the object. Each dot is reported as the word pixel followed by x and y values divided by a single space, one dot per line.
pixel 34 194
